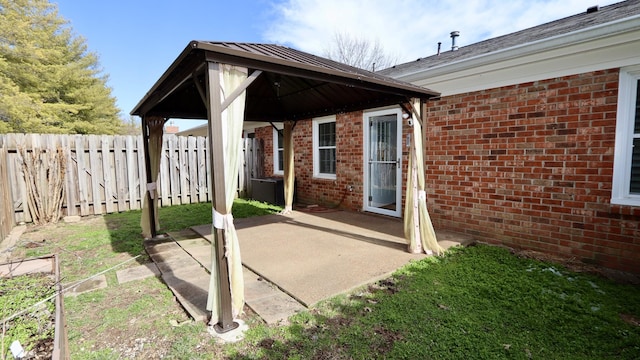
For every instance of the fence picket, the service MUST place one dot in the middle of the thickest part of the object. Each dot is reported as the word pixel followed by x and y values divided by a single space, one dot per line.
pixel 70 192
pixel 132 184
pixel 96 174
pixel 207 155
pixel 120 167
pixel 242 169
pixel 142 170
pixel 16 176
pixel 202 169
pixel 7 217
pixel 107 172
pixel 165 176
pixel 193 169
pixel 82 177
pixel 182 158
pixel 173 170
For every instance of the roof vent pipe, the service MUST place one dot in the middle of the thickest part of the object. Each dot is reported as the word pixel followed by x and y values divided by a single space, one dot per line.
pixel 454 35
pixel 439 44
pixel 593 9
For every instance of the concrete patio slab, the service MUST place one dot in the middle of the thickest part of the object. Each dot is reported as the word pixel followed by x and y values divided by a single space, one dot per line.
pixel 289 261
pixel 314 256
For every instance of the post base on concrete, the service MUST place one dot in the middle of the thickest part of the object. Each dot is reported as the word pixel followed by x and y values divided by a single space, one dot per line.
pixel 229 336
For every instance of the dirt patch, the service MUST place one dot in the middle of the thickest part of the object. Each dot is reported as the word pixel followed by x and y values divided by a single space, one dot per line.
pixel 388 338
pixel 575 265
pixel 630 319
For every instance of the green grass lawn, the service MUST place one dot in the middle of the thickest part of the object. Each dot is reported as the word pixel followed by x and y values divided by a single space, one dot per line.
pixel 480 302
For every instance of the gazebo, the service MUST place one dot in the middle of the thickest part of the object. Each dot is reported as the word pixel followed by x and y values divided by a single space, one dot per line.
pixel 228 83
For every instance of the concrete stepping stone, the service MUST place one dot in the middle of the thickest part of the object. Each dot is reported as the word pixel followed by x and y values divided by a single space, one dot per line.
pixel 191 288
pixel 267 300
pixel 20 267
pixel 201 253
pixel 137 273
pixel 98 282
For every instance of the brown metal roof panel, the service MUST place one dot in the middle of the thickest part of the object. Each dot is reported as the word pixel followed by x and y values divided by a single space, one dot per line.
pixel 284 56
pixel 293 84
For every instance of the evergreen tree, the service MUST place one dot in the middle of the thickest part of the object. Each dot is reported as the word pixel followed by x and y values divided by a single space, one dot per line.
pixel 49 81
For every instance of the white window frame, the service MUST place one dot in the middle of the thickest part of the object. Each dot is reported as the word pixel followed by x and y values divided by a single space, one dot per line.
pixel 276 153
pixel 627 92
pixel 316 148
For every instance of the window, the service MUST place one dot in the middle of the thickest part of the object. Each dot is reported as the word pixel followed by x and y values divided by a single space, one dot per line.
pixel 626 166
pixel 324 147
pixel 278 152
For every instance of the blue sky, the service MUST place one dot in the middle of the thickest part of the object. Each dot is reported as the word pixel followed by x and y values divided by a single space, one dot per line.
pixel 136 40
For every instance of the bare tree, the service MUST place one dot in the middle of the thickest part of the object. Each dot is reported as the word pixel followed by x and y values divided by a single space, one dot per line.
pixel 359 52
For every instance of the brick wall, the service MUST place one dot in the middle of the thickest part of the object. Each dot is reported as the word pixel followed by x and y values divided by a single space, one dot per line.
pixel 531 166
pixel 310 190
pixel 349 163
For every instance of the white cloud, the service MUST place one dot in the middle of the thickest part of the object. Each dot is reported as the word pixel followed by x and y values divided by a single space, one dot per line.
pixel 410 28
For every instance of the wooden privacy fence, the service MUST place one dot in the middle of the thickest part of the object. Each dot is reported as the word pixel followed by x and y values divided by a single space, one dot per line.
pixel 106 174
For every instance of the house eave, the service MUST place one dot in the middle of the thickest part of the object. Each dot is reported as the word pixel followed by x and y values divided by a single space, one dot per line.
pixel 620 33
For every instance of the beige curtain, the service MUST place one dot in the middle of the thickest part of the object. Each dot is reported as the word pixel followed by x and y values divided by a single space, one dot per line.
pixel 232 117
pixel 289 173
pixel 418 229
pixel 156 126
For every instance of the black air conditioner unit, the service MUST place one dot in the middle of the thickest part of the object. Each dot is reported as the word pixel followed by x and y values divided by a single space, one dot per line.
pixel 269 190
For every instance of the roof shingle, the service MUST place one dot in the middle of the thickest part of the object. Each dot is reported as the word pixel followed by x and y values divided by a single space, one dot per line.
pixel 566 25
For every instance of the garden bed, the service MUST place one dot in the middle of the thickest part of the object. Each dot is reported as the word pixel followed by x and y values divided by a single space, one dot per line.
pixel 31 308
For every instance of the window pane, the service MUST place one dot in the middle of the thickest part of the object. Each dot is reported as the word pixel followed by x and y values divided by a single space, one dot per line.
pixel 280 160
pixel 327 134
pixel 327 161
pixel 635 167
pixel 280 139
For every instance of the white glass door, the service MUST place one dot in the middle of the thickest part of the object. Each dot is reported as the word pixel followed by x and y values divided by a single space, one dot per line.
pixel 383 175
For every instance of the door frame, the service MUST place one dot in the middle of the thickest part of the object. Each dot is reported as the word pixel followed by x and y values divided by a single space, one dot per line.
pixel 367 114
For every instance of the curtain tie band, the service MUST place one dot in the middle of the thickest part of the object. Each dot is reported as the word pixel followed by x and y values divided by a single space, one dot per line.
pixel 221 221
pixel 151 188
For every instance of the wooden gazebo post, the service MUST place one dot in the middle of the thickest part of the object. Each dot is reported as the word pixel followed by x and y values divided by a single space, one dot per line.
pixel 150 123
pixel 217 132
pixel 216 146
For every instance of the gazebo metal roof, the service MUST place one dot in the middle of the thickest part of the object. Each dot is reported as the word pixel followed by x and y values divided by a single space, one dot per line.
pixel 293 85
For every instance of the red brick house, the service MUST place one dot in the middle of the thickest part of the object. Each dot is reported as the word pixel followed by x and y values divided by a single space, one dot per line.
pixel 531 144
